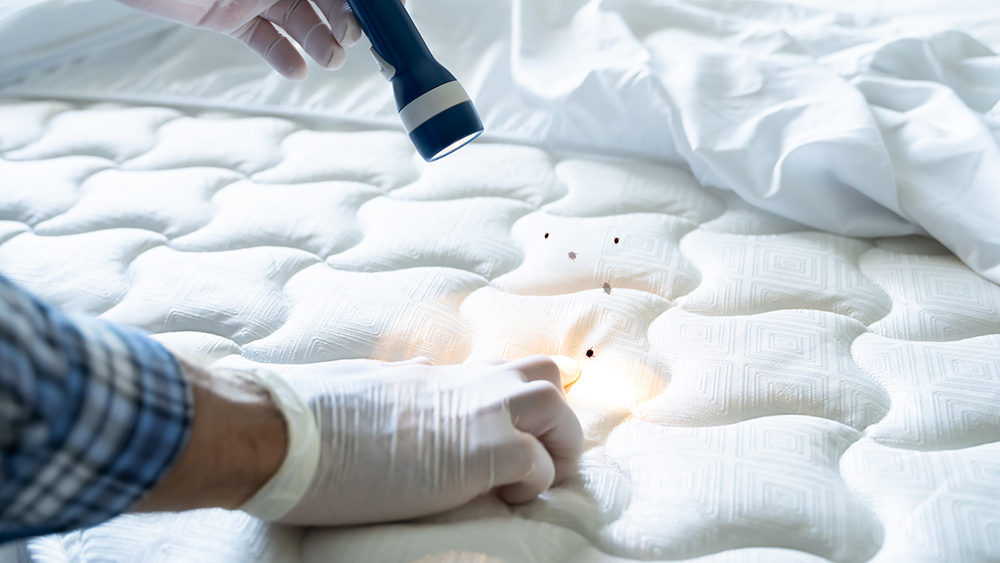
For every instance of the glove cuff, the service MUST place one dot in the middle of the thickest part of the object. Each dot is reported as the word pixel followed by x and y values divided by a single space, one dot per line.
pixel 286 488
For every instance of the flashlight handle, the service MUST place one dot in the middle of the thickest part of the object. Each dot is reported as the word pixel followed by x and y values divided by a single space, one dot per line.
pixel 390 30
pixel 392 33
pixel 435 110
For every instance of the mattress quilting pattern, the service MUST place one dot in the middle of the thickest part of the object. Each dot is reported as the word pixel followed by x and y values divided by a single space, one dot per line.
pixel 758 391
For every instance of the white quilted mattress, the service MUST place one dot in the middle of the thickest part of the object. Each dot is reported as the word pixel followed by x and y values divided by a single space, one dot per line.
pixel 759 391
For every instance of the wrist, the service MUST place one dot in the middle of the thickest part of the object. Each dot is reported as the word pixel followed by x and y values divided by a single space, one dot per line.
pixel 285 490
pixel 238 441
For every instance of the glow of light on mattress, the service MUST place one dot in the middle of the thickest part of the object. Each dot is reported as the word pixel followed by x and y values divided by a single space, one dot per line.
pixel 613 379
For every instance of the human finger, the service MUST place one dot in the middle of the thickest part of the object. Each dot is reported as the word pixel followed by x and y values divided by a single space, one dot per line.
pixel 338 13
pixel 536 481
pixel 302 22
pixel 539 409
pixel 569 371
pixel 265 40
pixel 537 368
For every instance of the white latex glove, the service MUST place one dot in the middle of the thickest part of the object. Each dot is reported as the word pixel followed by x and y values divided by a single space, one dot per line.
pixel 256 24
pixel 411 439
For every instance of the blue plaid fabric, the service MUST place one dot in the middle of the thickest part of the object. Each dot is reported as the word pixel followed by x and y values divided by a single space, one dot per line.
pixel 92 416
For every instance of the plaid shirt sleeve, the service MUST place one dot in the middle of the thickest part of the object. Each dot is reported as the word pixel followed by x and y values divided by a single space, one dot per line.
pixel 92 416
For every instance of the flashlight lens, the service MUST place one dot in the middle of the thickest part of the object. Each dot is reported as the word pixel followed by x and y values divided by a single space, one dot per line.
pixel 455 146
pixel 447 131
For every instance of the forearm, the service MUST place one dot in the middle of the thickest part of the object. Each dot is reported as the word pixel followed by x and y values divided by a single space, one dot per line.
pixel 238 441
pixel 94 417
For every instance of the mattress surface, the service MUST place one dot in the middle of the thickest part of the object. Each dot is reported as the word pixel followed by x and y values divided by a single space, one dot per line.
pixel 758 391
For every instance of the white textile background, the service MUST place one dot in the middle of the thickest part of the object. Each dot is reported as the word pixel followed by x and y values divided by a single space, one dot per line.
pixel 879 122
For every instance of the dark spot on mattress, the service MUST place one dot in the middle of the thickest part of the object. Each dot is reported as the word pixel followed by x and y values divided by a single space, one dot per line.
pixel 546 235
pixel 616 240
pixel 590 353
pixel 607 288
pixel 572 255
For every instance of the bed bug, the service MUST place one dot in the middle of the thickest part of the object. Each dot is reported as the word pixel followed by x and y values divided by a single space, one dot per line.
pixel 546 235
pixel 572 255
pixel 590 353
pixel 607 288
pixel 616 240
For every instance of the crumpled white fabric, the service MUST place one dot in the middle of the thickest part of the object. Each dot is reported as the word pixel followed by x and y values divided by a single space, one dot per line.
pixel 37 33
pixel 833 126
pixel 859 124
pixel 936 106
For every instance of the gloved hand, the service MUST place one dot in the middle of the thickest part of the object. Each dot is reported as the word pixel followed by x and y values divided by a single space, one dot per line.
pixel 256 23
pixel 412 439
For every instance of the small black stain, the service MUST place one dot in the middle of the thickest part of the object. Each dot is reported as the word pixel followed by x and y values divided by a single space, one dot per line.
pixel 546 235
pixel 616 240
pixel 607 288
pixel 590 353
pixel 572 255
